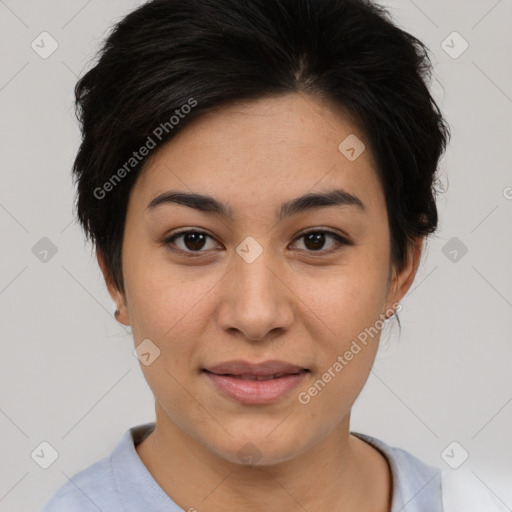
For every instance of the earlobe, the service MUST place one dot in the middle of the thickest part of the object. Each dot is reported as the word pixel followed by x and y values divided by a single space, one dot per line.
pixel 121 313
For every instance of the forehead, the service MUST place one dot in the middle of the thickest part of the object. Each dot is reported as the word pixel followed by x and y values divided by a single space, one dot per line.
pixel 266 149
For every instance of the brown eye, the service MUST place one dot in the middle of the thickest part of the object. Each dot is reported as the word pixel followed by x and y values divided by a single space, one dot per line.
pixel 194 241
pixel 190 241
pixel 316 241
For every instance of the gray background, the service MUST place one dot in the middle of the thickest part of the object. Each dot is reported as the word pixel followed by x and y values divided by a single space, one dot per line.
pixel 67 372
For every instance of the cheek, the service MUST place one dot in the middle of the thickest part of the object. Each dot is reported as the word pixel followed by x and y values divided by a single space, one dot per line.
pixel 174 320
pixel 351 345
pixel 166 302
pixel 172 390
pixel 347 300
pixel 350 303
pixel 346 351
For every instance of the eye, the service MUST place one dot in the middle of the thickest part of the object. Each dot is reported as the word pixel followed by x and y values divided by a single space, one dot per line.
pixel 191 241
pixel 315 241
pixel 196 241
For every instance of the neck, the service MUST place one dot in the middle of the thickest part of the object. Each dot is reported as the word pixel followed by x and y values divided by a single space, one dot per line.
pixel 336 473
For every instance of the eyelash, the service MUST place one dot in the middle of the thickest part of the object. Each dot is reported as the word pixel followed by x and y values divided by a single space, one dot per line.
pixel 340 240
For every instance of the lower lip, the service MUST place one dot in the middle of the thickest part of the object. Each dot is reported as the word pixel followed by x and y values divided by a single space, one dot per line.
pixel 256 391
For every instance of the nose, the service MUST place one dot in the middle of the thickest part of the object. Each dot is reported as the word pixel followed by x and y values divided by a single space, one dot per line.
pixel 255 301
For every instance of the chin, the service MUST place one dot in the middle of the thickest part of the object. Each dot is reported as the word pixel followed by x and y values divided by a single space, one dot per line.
pixel 260 445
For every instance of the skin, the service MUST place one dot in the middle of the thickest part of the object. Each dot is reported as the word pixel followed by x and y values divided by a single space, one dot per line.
pixel 292 303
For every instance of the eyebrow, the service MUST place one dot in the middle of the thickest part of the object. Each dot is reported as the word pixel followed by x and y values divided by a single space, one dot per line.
pixel 311 201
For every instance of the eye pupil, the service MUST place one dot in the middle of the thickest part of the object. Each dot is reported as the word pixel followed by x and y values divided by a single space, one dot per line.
pixel 317 239
pixel 194 241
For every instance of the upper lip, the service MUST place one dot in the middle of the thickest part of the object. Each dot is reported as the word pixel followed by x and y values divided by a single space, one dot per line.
pixel 265 368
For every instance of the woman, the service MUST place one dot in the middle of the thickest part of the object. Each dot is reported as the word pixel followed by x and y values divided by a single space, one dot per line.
pixel 258 179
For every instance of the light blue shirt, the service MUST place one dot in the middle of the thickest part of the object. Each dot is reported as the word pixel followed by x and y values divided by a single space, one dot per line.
pixel 121 482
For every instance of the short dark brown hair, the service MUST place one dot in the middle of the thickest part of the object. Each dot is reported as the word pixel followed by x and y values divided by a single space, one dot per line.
pixel 168 54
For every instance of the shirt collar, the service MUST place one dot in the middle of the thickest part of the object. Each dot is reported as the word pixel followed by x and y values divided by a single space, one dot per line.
pixel 137 488
pixel 416 486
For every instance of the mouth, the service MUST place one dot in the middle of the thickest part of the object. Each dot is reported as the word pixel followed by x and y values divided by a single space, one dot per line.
pixel 254 377
pixel 261 383
pixel 270 368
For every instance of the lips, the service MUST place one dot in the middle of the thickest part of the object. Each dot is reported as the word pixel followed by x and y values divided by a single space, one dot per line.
pixel 258 377
pixel 260 371
pixel 262 383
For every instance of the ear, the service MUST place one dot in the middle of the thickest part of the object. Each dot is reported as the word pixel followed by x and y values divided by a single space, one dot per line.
pixel 401 282
pixel 115 293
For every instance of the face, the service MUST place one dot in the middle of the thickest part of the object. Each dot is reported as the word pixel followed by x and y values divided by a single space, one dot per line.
pixel 257 300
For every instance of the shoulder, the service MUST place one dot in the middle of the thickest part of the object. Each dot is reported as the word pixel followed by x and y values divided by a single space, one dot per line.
pixel 91 489
pixel 418 487
pixel 117 482
pixel 463 490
